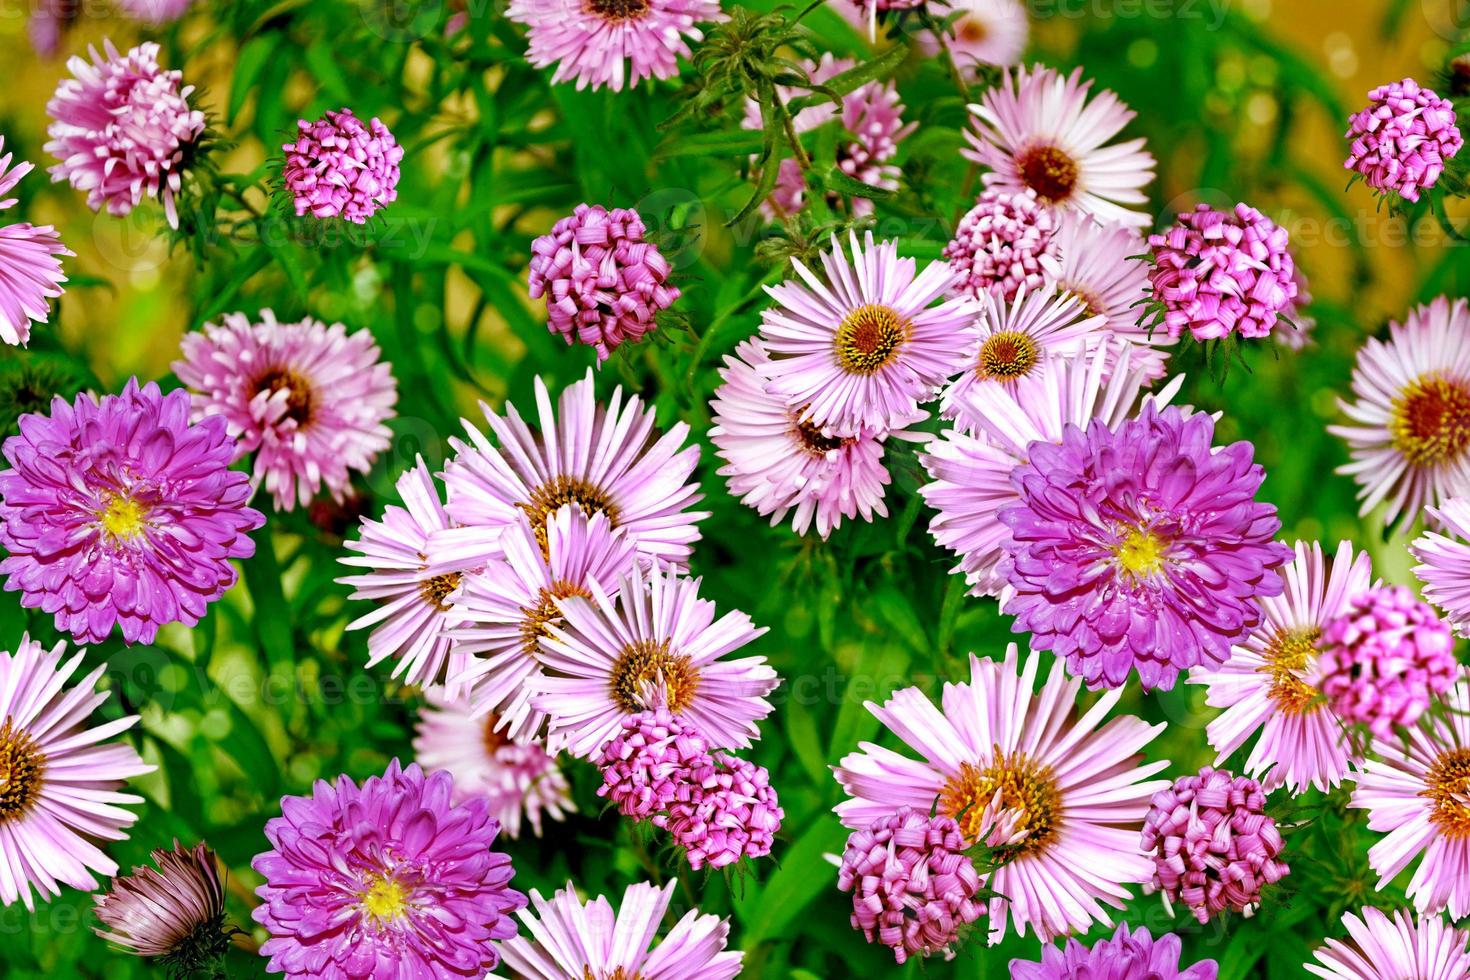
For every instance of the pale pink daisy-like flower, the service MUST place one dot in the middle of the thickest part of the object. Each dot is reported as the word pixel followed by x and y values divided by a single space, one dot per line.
pixel 1402 139
pixel 175 910
pixel 518 779
pixel 1415 792
pixel 611 42
pixel 1038 129
pixel 985 32
pixel 60 795
pixel 1379 947
pixel 603 457
pixel 1445 558
pixel 780 465
pixel 308 399
pixel 569 938
pixel 658 641
pixel 1409 436
pixel 1056 791
pixel 865 347
pixel 123 129
pixel 340 166
pixel 970 474
pixel 414 614
pixel 30 272
pixel 1269 685
pixel 1001 243
pixel 503 610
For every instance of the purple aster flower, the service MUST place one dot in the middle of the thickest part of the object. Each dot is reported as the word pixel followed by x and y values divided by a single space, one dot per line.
pixel 1401 140
pixel 726 811
pixel 1140 546
pixel 308 399
pixel 1125 956
pixel 175 911
pixel 913 888
pixel 123 129
pixel 389 880
pixel 1213 846
pixel 339 167
pixel 121 512
pixel 611 42
pixel 30 272
pixel 1002 242
pixel 603 283
pixel 1218 274
pixel 1385 658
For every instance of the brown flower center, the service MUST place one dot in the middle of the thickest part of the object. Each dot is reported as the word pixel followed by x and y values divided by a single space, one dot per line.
pixel 618 10
pixel 870 337
pixel 1006 356
pixel 534 619
pixel 300 401
pixel 1011 788
pixel 1447 784
pixel 1431 421
pixel 1048 171
pixel 972 30
pixel 813 441
pixel 1288 653
pixel 650 662
pixel 435 591
pixel 619 974
pixel 555 494
pixel 493 738
pixel 21 768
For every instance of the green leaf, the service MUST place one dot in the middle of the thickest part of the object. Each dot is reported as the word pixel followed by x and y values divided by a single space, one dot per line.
pixel 732 143
pixel 272 617
pixel 854 78
pixel 255 54
pixel 804 875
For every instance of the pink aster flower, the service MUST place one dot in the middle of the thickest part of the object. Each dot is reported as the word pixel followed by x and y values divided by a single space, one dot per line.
pixel 647 764
pixel 1380 947
pixel 120 512
pixel 517 778
pixel 780 465
pixel 913 888
pixel 1140 547
pixel 1126 955
pixel 572 938
pixel 604 457
pixel 1038 129
pixel 414 614
pixel 62 776
pixel 865 347
pixel 1218 274
pixel 155 11
pixel 611 42
pixel 123 129
pixel 339 167
pixel 985 32
pixel 1001 244
pixel 387 880
pixel 970 475
pixel 30 272
pixel 1213 846
pixel 659 640
pixel 1445 571
pixel 503 610
pixel 175 911
pixel 1401 140
pixel 1056 791
pixel 1415 794
pixel 1385 658
pixel 1409 436
pixel 603 283
pixel 308 399
pixel 727 810
pixel 1269 686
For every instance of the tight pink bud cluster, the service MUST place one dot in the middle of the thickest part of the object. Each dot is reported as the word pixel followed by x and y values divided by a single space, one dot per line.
pixel 1001 242
pixel 1401 141
pixel 603 283
pixel 1218 274
pixel 912 886
pixel 341 167
pixel 1385 658
pixel 1214 848
pixel 645 765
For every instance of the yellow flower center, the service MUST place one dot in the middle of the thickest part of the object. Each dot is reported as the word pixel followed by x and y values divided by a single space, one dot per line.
pixel 1141 553
pixel 535 618
pixel 435 591
pixel 869 337
pixel 1011 789
pixel 385 899
pixel 1288 653
pixel 1048 171
pixel 650 662
pixel 123 518
pixel 1447 784
pixel 21 768
pixel 618 974
pixel 556 493
pixel 1431 421
pixel 1006 356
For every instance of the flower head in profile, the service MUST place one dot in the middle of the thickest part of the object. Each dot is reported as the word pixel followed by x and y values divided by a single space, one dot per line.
pixel 1401 140
pixel 122 129
pixel 1001 244
pixel 30 269
pixel 611 42
pixel 1127 954
pixel 1269 687
pixel 568 937
pixel 1039 129
pixel 60 796
pixel 120 513
pixel 517 778
pixel 1002 760
pixel 174 911
pixel 387 879
pixel 862 345
pixel 1402 946
pixel 1445 562
pixel 657 644
pixel 1409 425
pixel 308 399
pixel 1140 547
pixel 340 167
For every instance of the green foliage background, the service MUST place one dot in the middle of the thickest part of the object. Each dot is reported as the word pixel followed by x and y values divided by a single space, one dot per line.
pixel 269 693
